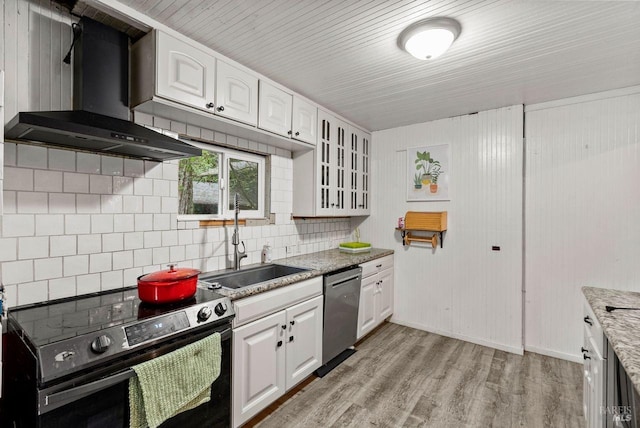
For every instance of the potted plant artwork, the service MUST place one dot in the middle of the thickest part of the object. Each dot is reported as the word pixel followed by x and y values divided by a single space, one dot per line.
pixel 435 173
pixel 427 164
pixel 417 181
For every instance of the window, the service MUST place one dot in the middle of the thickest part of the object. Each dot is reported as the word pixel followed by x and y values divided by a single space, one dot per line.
pixel 207 184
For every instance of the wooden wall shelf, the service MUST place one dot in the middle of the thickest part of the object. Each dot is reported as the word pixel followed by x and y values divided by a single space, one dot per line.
pixel 416 221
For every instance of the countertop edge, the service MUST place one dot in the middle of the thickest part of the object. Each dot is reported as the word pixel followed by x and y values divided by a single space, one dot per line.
pixel 622 328
pixel 319 263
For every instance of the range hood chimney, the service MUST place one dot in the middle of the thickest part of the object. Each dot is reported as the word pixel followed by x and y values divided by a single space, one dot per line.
pixel 100 120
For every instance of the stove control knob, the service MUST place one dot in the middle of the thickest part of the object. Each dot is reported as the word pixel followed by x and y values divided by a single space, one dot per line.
pixel 220 309
pixel 204 313
pixel 100 344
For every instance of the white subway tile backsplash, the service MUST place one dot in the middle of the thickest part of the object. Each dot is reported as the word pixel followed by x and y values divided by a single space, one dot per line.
pixel 14 225
pixel 111 165
pixel 185 237
pixel 161 221
pixel 132 204
pixel 88 283
pixel 111 280
pixel 89 244
pixel 77 224
pixel 161 255
pixel 47 181
pixel 10 156
pixel 62 160
pixel 169 205
pixel 123 223
pixel 143 222
pixel 8 249
pixel 192 251
pixel 170 171
pixel 112 242
pixel 169 238
pixel 9 205
pixel 123 185
pixel 32 292
pixel 47 268
pixel 88 204
pixel 177 254
pixel 75 183
pixel 133 168
pixel 64 245
pixel 102 223
pixel 99 262
pixel 111 204
pixel 151 204
pixel 102 184
pixel 33 247
pixel 18 179
pixel 133 241
pixel 152 239
pixel 32 203
pixel 142 257
pixel 62 203
pixel 62 288
pixel 142 118
pixel 152 169
pixel 130 276
pixel 32 156
pixel 17 272
pixel 122 260
pixel 161 187
pixel 88 163
pixel 143 186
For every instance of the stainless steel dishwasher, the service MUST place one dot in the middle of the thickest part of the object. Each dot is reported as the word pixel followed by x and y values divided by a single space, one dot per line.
pixel 341 298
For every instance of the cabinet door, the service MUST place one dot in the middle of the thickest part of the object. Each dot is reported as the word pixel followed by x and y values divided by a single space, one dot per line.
pixel 366 309
pixel 184 73
pixel 384 306
pixel 363 171
pixel 236 94
pixel 325 164
pixel 341 168
pixel 304 340
pixel 353 185
pixel 258 376
pixel 274 109
pixel 304 121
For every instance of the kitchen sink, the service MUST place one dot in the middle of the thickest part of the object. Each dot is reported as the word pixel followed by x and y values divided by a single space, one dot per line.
pixel 246 277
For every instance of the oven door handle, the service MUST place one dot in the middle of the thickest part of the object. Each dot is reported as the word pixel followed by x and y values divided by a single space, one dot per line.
pixel 51 401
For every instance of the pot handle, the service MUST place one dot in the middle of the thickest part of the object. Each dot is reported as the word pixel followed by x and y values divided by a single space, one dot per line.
pixel 172 267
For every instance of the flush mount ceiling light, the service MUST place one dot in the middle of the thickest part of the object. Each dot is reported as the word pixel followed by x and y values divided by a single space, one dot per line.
pixel 429 38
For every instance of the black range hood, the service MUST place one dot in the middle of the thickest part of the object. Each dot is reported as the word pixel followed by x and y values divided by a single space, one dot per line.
pixel 100 119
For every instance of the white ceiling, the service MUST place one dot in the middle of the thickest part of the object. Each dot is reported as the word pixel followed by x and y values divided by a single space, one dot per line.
pixel 343 53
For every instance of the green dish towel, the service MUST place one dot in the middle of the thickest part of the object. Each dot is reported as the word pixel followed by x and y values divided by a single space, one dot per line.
pixel 173 383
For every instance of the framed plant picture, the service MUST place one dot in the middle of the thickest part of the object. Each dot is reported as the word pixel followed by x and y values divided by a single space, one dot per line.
pixel 428 170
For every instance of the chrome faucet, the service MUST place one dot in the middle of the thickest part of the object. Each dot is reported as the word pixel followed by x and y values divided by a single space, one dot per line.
pixel 235 239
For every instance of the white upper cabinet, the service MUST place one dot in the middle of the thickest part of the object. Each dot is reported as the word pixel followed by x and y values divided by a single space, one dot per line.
pixel 184 73
pixel 236 94
pixel 304 121
pixel 275 109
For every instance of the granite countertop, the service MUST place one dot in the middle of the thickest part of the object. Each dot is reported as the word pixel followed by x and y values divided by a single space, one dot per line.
pixel 622 328
pixel 319 263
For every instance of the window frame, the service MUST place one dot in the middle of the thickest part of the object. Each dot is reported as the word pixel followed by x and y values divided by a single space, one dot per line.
pixel 224 154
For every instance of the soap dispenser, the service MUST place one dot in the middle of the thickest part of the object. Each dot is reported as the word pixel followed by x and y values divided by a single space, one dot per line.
pixel 266 253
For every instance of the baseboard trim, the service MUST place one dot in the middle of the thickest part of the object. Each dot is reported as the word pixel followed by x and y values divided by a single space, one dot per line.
pixel 555 354
pixel 496 345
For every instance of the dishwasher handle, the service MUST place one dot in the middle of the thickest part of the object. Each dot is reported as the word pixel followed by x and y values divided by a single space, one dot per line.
pixel 345 281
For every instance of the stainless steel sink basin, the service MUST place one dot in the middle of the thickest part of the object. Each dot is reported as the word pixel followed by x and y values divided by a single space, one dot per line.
pixel 245 277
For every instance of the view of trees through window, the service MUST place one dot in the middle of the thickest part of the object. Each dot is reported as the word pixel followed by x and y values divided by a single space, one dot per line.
pixel 243 180
pixel 199 184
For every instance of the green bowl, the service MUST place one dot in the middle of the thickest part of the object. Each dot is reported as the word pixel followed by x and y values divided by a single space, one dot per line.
pixel 355 245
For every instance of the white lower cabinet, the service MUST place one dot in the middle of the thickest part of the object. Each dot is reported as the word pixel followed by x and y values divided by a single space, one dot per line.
pixel 276 352
pixel 376 294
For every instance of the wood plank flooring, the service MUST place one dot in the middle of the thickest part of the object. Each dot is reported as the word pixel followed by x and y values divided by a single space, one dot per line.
pixel 402 377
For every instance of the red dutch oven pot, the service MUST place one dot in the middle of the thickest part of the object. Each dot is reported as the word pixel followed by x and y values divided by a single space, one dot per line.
pixel 167 286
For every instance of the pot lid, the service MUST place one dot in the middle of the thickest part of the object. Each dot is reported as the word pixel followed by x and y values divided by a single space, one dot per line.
pixel 169 275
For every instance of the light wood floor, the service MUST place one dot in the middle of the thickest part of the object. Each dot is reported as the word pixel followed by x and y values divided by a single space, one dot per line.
pixel 402 377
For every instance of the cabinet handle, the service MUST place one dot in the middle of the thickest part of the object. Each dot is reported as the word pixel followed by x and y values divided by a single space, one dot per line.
pixel 297 133
pixel 586 357
pixel 289 132
pixel 588 320
pixel 279 343
pixel 583 350
pixel 209 105
pixel 379 266
pixel 290 338
pixel 221 108
pixel 333 205
pixel 284 326
pixel 292 322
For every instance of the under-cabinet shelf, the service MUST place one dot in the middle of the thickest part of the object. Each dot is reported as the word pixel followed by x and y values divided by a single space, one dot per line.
pixel 416 221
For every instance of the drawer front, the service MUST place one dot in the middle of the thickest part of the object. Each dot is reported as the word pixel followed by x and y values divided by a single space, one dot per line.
pixel 263 304
pixel 377 265
pixel 592 328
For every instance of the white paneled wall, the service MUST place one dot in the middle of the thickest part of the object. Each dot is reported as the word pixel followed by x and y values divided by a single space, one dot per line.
pixel 582 212
pixel 465 289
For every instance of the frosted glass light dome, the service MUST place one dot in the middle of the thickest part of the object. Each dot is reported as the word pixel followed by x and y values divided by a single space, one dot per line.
pixel 430 38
